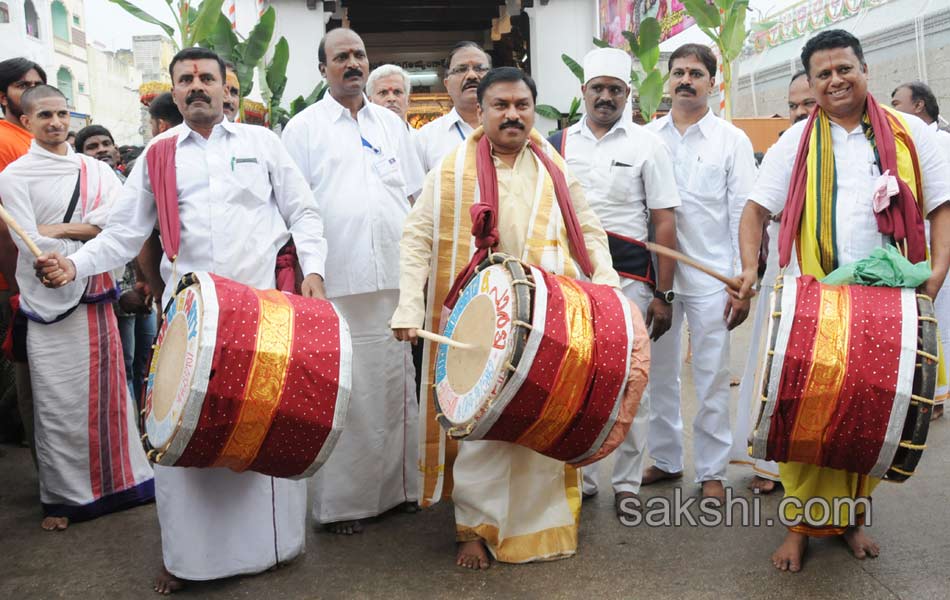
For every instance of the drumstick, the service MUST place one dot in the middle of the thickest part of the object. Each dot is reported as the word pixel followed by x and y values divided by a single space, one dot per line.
pixel 12 224
pixel 435 337
pixel 730 283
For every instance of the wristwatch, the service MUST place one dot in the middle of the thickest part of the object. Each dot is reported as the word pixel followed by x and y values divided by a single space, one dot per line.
pixel 664 296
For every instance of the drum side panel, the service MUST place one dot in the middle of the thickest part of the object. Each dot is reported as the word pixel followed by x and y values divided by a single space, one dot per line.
pixel 523 410
pixel 238 317
pixel 306 410
pixel 855 433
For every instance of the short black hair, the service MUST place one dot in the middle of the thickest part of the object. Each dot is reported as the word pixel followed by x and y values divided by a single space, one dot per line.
pixel 13 69
pixel 921 92
pixel 163 107
pixel 797 74
pixel 196 53
pixel 87 132
pixel 35 94
pixel 504 75
pixel 703 53
pixel 461 46
pixel 830 39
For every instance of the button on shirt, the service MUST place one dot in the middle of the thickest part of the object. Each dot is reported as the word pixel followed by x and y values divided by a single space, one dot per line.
pixel 439 137
pixel 362 172
pixel 240 198
pixel 624 173
pixel 855 224
pixel 715 171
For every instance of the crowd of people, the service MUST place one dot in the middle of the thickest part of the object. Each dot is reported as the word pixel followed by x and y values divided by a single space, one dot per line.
pixel 380 216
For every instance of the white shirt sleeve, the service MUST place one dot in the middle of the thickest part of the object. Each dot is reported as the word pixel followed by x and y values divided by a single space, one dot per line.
pixel 934 168
pixel 775 172
pixel 659 182
pixel 739 183
pixel 131 221
pixel 15 193
pixel 299 210
pixel 412 170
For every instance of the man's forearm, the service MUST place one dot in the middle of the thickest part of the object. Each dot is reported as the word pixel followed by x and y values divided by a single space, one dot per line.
pixel 664 231
pixel 754 217
pixel 940 240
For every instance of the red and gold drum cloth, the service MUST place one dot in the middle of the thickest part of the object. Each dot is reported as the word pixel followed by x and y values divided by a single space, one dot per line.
pixel 846 375
pixel 559 365
pixel 247 379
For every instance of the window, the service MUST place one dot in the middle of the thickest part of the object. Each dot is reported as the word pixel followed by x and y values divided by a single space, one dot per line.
pixel 76 20
pixel 64 81
pixel 60 20
pixel 32 19
pixel 4 13
pixel 82 88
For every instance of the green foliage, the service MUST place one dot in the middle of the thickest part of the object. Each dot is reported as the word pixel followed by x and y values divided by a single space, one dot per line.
pixel 192 25
pixel 140 14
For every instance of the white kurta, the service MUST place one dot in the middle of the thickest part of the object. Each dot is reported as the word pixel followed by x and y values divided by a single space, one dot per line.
pixel 89 456
pixel 240 198
pixel 625 174
pixel 436 138
pixel 715 170
pixel 362 172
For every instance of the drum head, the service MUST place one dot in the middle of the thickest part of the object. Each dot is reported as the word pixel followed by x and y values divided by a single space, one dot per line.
pixel 173 367
pixel 466 380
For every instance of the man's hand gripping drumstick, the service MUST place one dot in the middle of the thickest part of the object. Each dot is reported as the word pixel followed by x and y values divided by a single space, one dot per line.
pixel 52 269
pixel 411 334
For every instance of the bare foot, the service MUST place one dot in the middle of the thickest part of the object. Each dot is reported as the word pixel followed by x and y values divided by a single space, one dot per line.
pixel 410 507
pixel 166 583
pixel 713 488
pixel 624 502
pixel 344 527
pixel 654 474
pixel 937 413
pixel 761 485
pixel 55 523
pixel 789 555
pixel 860 543
pixel 734 381
pixel 472 555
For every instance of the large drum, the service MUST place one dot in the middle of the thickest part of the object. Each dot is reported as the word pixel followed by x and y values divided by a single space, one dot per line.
pixel 247 379
pixel 849 378
pixel 559 365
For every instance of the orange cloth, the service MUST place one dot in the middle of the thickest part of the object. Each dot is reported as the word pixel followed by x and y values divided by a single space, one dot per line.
pixel 14 143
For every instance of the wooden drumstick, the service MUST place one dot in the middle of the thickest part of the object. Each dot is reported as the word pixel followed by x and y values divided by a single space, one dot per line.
pixel 12 224
pixel 435 337
pixel 730 283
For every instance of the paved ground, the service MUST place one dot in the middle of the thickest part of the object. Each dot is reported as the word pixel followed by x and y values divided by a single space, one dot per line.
pixel 411 556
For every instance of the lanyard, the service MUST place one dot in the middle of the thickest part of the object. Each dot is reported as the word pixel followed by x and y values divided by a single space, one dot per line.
pixel 458 128
pixel 366 144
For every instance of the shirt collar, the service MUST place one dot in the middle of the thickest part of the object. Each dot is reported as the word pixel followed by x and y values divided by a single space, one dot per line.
pixel 338 111
pixel 706 124
pixel 584 129
pixel 187 132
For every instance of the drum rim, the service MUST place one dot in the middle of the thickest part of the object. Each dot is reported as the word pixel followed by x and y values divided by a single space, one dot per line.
pixel 207 336
pixel 462 429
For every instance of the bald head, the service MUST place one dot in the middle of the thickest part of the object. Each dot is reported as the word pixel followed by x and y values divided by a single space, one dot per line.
pixel 31 98
pixel 343 63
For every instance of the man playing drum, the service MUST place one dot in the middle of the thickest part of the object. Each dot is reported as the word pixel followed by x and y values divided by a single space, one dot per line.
pixel 625 171
pixel 843 190
pixel 521 505
pixel 240 197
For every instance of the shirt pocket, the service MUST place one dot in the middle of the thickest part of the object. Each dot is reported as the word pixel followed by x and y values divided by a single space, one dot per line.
pixel 251 181
pixel 620 183
pixel 707 180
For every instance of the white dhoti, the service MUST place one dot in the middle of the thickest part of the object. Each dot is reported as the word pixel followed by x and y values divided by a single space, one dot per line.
pixel 525 506
pixel 217 523
pixel 942 311
pixel 628 458
pixel 89 456
pixel 373 467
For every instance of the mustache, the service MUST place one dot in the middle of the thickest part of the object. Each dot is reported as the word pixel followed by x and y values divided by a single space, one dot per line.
pixel 515 124
pixel 685 87
pixel 198 96
pixel 605 103
pixel 801 118
pixel 352 73
pixel 471 83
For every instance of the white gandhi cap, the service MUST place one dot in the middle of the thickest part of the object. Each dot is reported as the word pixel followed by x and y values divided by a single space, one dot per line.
pixel 607 62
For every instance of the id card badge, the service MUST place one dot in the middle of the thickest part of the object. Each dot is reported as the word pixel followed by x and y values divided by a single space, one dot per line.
pixel 386 167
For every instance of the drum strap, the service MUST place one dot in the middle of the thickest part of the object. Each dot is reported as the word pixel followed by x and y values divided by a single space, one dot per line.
pixel 631 259
pixel 72 201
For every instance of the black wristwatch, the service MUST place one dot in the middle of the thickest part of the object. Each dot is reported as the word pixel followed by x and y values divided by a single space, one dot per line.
pixel 664 296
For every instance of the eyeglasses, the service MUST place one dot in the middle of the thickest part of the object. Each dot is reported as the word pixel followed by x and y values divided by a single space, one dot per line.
pixel 463 69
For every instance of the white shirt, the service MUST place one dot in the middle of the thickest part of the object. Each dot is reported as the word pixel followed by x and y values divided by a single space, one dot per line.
pixel 439 137
pixel 715 171
pixel 362 172
pixel 240 198
pixel 855 224
pixel 943 138
pixel 624 173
